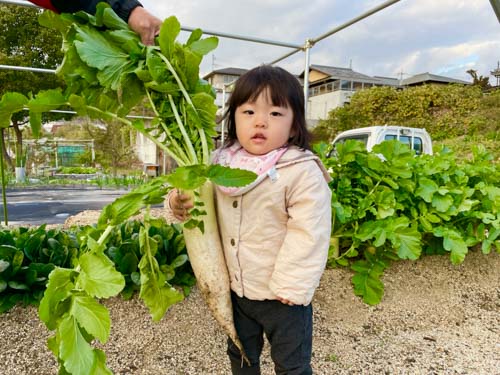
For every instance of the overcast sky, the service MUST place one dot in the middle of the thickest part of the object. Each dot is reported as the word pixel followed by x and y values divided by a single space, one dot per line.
pixel 445 37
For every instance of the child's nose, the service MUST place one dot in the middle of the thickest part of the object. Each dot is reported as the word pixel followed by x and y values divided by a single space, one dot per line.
pixel 261 121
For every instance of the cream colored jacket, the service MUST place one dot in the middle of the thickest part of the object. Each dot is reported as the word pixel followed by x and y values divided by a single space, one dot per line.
pixel 276 236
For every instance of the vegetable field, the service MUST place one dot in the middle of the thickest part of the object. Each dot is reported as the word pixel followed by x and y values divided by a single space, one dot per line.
pixel 391 205
pixel 388 205
pixel 435 317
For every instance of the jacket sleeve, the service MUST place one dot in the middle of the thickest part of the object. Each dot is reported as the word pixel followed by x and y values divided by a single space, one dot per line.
pixel 122 7
pixel 47 4
pixel 302 257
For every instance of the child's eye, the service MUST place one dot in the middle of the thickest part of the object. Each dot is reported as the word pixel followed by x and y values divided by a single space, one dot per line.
pixel 276 114
pixel 248 112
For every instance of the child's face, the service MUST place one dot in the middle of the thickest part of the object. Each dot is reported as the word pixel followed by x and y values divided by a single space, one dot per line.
pixel 261 126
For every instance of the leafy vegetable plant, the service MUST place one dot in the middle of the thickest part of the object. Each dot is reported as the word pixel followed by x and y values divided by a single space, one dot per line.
pixel 390 205
pixel 27 256
pixel 108 72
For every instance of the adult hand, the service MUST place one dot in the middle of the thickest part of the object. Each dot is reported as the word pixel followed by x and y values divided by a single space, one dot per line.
pixel 144 24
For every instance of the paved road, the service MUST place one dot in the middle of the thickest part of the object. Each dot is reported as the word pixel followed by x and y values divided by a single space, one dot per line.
pixel 53 206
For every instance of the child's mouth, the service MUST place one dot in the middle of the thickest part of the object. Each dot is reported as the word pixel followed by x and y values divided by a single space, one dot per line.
pixel 259 137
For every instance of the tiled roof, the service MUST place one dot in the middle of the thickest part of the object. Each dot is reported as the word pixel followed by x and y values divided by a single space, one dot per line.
pixel 343 73
pixel 428 77
pixel 351 75
pixel 228 71
pixel 388 81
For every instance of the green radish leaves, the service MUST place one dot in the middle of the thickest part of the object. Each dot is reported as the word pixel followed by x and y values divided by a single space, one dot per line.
pixel 11 103
pixel 98 276
pixel 169 31
pixel 192 177
pixel 108 71
pixel 205 46
pixel 156 292
pixel 111 61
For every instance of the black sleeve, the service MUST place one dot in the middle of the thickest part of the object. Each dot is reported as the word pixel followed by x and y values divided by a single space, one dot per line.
pixel 122 7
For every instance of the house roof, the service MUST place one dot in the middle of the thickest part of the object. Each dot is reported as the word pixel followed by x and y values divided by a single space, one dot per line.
pixel 343 73
pixel 348 74
pixel 351 75
pixel 388 81
pixel 428 77
pixel 227 71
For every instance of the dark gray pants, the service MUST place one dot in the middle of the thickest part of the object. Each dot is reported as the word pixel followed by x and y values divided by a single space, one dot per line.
pixel 288 329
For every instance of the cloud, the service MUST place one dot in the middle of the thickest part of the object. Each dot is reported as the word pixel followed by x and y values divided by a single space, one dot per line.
pixel 442 37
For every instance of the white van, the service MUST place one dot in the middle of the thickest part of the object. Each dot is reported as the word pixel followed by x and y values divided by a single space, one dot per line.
pixel 418 139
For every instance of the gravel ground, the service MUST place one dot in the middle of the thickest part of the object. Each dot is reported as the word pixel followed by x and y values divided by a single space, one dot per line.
pixel 435 318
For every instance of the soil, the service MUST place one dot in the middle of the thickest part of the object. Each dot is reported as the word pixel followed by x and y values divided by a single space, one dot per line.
pixel 435 318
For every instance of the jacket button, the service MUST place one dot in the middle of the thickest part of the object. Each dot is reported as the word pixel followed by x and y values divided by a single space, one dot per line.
pixel 233 242
pixel 235 204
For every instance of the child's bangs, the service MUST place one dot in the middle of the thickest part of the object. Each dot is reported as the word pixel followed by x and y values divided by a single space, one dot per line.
pixel 275 90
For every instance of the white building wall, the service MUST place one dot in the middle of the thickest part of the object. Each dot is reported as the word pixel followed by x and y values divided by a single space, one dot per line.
pixel 219 98
pixel 320 105
pixel 145 150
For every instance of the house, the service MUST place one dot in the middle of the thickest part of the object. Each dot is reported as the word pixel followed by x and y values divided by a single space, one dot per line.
pixel 221 81
pixel 331 87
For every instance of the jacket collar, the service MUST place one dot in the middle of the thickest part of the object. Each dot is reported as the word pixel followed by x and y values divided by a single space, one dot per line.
pixel 296 155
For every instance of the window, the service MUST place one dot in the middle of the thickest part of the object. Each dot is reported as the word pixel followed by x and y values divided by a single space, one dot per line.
pixel 417 142
pixel 345 85
pixel 357 86
pixel 229 78
pixel 406 140
pixel 418 145
pixel 361 137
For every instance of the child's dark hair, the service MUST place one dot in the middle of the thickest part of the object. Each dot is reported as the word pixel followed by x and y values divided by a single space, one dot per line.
pixel 284 91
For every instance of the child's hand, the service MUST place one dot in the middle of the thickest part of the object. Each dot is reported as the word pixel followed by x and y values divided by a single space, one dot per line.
pixel 284 301
pixel 180 204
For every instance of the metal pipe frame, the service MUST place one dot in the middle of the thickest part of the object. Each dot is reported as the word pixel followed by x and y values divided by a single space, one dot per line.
pixel 19 2
pixel 187 28
pixel 354 20
pixel 309 43
pixel 245 38
pixel 74 113
pixel 307 63
pixel 337 29
pixel 27 69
